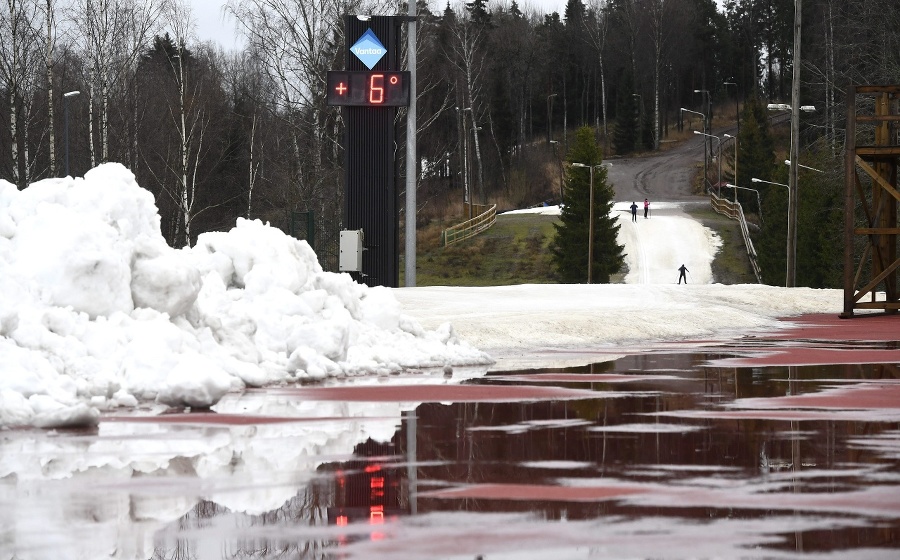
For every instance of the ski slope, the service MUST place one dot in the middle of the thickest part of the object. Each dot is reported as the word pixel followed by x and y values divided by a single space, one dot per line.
pixel 655 247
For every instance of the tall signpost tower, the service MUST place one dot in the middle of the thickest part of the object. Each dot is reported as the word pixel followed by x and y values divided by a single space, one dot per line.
pixel 370 90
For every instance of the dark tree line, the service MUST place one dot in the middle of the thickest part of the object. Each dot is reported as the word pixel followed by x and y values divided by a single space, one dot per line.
pixel 217 135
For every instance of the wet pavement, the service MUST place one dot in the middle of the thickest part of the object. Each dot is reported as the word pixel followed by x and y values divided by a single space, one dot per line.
pixel 779 445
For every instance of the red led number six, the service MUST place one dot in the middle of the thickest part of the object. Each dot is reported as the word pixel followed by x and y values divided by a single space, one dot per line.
pixel 376 89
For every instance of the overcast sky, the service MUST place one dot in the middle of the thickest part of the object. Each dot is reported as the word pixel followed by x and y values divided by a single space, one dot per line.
pixel 214 25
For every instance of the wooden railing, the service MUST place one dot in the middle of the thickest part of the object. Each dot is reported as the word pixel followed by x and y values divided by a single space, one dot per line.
pixel 734 211
pixel 470 228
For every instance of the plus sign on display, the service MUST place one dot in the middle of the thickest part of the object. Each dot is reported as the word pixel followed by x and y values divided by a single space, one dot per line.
pixel 368 88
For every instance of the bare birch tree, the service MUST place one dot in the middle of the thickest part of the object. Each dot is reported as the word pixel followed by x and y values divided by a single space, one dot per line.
pixel 597 27
pixel 295 42
pixel 19 56
pixel 661 25
pixel 179 19
pixel 112 34
pixel 49 47
pixel 467 57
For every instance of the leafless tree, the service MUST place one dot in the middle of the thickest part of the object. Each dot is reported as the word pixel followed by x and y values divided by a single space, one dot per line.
pixel 597 25
pixel 662 24
pixel 19 59
pixel 112 34
pixel 467 56
pixel 295 41
pixel 49 47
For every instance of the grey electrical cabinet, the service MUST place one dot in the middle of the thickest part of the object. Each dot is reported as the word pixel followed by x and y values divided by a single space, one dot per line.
pixel 351 250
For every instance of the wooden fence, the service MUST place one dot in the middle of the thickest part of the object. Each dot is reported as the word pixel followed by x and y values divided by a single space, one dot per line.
pixel 734 211
pixel 486 217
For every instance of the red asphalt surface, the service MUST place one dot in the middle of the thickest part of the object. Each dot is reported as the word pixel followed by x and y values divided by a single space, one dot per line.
pixel 819 334
pixel 826 326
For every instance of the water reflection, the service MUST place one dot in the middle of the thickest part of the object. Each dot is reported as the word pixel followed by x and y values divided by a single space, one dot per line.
pixel 664 451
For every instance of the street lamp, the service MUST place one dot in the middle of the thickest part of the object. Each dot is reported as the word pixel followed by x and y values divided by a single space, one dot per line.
pixel 737 111
pixel 640 126
pixel 787 107
pixel 793 194
pixel 590 220
pixel 735 154
pixel 788 162
pixel 683 110
pixel 708 109
pixel 555 144
pixel 550 117
pixel 66 97
pixel 758 200
pixel 787 279
pixel 719 158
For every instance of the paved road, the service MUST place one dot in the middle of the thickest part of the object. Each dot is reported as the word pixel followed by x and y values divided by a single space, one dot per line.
pixel 662 177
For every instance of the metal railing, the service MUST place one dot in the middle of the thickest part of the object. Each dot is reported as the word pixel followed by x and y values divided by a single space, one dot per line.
pixel 734 211
pixel 470 228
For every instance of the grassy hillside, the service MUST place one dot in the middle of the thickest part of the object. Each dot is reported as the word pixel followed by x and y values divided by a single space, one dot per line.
pixel 515 251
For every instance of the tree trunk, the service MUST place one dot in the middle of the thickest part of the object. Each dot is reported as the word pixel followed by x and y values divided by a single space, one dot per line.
pixel 48 59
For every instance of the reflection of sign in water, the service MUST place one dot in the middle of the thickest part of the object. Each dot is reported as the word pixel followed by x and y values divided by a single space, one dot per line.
pixel 366 491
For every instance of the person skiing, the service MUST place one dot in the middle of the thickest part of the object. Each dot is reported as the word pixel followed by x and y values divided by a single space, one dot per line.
pixel 682 269
pixel 646 207
pixel 634 211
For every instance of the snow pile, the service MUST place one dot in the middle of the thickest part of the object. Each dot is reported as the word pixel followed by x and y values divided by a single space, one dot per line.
pixel 97 312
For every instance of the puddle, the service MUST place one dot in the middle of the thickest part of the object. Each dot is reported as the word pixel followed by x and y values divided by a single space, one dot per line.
pixel 695 454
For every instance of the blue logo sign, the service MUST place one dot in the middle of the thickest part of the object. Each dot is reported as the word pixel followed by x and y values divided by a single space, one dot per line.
pixel 368 49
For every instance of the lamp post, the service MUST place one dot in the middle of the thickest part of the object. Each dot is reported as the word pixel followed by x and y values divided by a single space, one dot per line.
pixel 708 111
pixel 555 144
pixel 737 111
pixel 735 156
pixel 550 117
pixel 66 96
pixel 787 280
pixel 719 158
pixel 702 116
pixel 793 190
pixel 758 200
pixel 590 220
pixel 683 110
pixel 788 162
pixel 640 112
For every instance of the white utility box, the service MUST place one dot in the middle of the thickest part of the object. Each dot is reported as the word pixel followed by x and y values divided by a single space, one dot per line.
pixel 351 250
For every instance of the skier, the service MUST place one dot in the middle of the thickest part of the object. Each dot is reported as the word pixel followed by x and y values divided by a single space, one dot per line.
pixel 682 269
pixel 634 211
pixel 646 207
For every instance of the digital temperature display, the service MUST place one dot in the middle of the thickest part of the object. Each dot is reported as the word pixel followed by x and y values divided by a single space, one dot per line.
pixel 368 88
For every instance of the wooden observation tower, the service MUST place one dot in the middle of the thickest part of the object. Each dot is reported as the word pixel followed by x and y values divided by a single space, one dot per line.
pixel 871 199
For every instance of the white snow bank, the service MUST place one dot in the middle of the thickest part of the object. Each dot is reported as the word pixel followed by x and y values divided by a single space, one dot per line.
pixel 97 312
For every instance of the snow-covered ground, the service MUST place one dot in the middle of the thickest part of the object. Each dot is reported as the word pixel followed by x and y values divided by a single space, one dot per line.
pixel 518 325
pixel 97 312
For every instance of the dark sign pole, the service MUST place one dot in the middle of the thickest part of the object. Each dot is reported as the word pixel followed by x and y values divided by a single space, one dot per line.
pixel 370 89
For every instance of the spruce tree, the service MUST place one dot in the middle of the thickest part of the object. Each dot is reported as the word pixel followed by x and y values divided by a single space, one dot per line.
pixel 755 144
pixel 625 136
pixel 570 244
